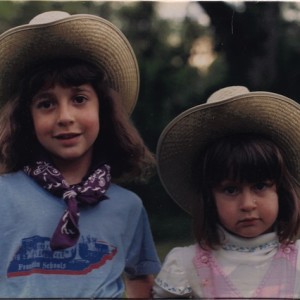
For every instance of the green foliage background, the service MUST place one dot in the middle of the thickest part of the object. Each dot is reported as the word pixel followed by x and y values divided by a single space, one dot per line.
pixel 255 45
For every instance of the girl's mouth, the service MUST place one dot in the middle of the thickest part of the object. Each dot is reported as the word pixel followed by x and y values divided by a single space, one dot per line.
pixel 66 136
pixel 248 221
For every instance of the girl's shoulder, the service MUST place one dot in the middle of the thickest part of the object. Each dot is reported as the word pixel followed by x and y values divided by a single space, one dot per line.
pixel 173 279
pixel 118 189
pixel 16 187
pixel 13 179
pixel 184 250
pixel 123 200
pixel 118 192
pixel 178 257
pixel 11 175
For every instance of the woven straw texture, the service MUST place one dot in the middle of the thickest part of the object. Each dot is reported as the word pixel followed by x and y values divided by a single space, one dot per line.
pixel 79 36
pixel 257 112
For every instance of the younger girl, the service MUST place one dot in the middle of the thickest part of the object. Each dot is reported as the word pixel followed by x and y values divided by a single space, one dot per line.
pixel 66 229
pixel 234 164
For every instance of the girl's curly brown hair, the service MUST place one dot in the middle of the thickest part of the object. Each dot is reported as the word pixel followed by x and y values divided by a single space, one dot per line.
pixel 118 143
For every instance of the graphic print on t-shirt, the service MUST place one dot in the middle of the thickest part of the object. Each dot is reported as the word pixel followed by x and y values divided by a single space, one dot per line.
pixel 35 256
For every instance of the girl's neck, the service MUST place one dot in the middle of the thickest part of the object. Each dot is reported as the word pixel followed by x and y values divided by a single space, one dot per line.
pixel 73 171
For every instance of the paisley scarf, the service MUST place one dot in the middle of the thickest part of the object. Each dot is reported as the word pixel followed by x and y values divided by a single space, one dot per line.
pixel 89 192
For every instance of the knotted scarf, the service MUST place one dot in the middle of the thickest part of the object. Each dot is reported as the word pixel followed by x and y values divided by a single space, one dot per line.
pixel 89 192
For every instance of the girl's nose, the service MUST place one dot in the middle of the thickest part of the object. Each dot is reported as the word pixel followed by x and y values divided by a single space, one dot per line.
pixel 65 116
pixel 247 201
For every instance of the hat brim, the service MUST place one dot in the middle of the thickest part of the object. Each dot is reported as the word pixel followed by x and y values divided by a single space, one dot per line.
pixel 180 143
pixel 86 37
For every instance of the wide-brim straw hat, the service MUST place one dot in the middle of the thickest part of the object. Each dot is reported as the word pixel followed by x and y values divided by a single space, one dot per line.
pixel 228 111
pixel 57 34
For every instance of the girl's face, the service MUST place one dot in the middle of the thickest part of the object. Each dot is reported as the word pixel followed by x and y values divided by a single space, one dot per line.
pixel 247 210
pixel 66 121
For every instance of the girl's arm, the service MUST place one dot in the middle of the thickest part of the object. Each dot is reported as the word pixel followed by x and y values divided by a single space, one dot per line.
pixel 139 287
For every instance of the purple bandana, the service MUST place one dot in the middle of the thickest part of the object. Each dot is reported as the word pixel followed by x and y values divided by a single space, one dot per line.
pixel 89 192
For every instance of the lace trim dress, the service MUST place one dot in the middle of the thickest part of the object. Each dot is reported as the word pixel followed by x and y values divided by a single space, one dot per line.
pixel 241 268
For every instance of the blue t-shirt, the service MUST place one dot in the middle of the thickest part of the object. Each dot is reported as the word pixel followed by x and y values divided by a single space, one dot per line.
pixel 115 238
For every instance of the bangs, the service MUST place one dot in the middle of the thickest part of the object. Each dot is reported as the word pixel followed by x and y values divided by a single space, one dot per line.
pixel 69 72
pixel 242 158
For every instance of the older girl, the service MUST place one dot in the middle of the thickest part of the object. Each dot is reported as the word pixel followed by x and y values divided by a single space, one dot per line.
pixel 67 229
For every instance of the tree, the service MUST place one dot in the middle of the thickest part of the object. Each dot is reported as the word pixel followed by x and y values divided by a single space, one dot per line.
pixel 249 39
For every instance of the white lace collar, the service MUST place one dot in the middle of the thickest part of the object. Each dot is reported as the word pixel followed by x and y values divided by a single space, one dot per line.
pixel 264 242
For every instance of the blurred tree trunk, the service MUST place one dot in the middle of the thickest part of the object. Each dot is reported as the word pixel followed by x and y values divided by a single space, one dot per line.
pixel 249 39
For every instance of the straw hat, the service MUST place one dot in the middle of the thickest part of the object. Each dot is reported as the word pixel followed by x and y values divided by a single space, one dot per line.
pixel 228 111
pixel 57 34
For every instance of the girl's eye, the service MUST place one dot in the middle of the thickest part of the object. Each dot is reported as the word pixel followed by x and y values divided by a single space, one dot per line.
pixel 79 99
pixel 260 186
pixel 230 190
pixel 45 104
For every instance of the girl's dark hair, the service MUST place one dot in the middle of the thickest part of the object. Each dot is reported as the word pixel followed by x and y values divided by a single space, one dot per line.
pixel 118 143
pixel 244 158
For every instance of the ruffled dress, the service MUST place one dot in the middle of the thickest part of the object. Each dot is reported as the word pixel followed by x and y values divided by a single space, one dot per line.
pixel 242 268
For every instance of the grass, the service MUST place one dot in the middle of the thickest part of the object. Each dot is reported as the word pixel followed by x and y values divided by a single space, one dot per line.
pixel 170 232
